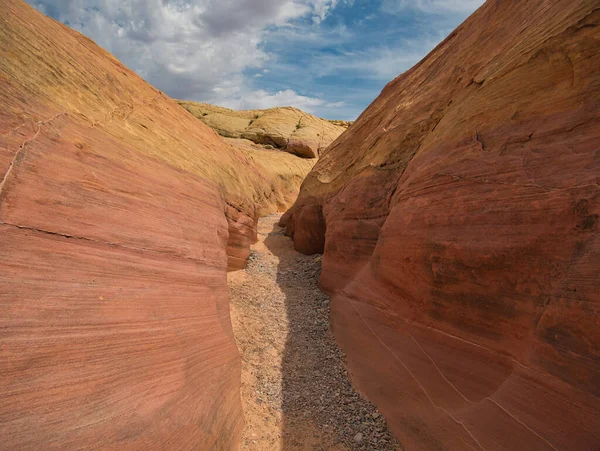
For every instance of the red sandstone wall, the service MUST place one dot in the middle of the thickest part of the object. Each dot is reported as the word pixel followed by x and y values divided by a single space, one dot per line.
pixel 116 224
pixel 461 235
pixel 115 328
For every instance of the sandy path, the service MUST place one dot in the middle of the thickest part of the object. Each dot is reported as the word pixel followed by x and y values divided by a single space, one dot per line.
pixel 295 388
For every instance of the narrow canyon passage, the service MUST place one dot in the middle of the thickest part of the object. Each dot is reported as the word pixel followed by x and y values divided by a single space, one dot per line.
pixel 295 389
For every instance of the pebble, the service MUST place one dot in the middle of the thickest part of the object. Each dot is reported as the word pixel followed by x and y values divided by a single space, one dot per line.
pixel 358 438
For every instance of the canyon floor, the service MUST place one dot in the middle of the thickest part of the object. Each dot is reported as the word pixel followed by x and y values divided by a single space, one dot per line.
pixel 296 391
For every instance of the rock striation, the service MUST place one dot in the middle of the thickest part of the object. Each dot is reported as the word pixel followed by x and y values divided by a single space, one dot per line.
pixel 459 220
pixel 285 128
pixel 120 214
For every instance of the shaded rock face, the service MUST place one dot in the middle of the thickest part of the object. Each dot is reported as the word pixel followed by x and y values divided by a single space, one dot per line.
pixel 120 214
pixel 285 128
pixel 462 243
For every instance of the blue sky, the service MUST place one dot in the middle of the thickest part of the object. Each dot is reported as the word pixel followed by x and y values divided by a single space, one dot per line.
pixel 328 57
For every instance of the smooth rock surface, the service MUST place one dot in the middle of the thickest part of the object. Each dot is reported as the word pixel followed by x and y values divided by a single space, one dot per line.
pixel 119 216
pixel 283 171
pixel 461 235
pixel 285 128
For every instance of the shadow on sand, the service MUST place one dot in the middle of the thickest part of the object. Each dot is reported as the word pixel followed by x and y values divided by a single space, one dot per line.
pixel 321 409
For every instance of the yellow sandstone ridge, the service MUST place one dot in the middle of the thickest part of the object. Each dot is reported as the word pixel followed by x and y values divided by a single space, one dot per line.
pixel 285 128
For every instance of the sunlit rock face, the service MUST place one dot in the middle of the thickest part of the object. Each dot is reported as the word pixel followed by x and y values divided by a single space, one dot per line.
pixel 461 235
pixel 285 128
pixel 120 214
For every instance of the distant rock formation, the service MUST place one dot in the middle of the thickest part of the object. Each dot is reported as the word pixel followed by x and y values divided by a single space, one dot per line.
pixel 119 215
pixel 285 128
pixel 460 223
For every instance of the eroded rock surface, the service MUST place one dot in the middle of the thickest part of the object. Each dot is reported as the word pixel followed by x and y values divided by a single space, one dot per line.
pixel 461 235
pixel 284 128
pixel 119 214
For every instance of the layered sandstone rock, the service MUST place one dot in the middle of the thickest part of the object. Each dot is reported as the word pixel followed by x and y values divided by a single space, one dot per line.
pixel 283 171
pixel 459 218
pixel 285 128
pixel 120 213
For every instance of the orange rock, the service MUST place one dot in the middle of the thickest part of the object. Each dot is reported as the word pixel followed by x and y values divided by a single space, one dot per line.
pixel 119 215
pixel 462 245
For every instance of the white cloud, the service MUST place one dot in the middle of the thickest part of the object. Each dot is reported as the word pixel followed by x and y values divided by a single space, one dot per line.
pixel 263 99
pixel 433 6
pixel 214 50
pixel 321 9
pixel 190 49
pixel 384 63
pixel 239 97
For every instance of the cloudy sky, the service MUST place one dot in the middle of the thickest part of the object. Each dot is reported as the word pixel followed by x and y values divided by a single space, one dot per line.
pixel 328 57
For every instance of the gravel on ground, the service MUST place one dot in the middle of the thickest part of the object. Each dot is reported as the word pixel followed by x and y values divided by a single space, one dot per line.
pixel 296 391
